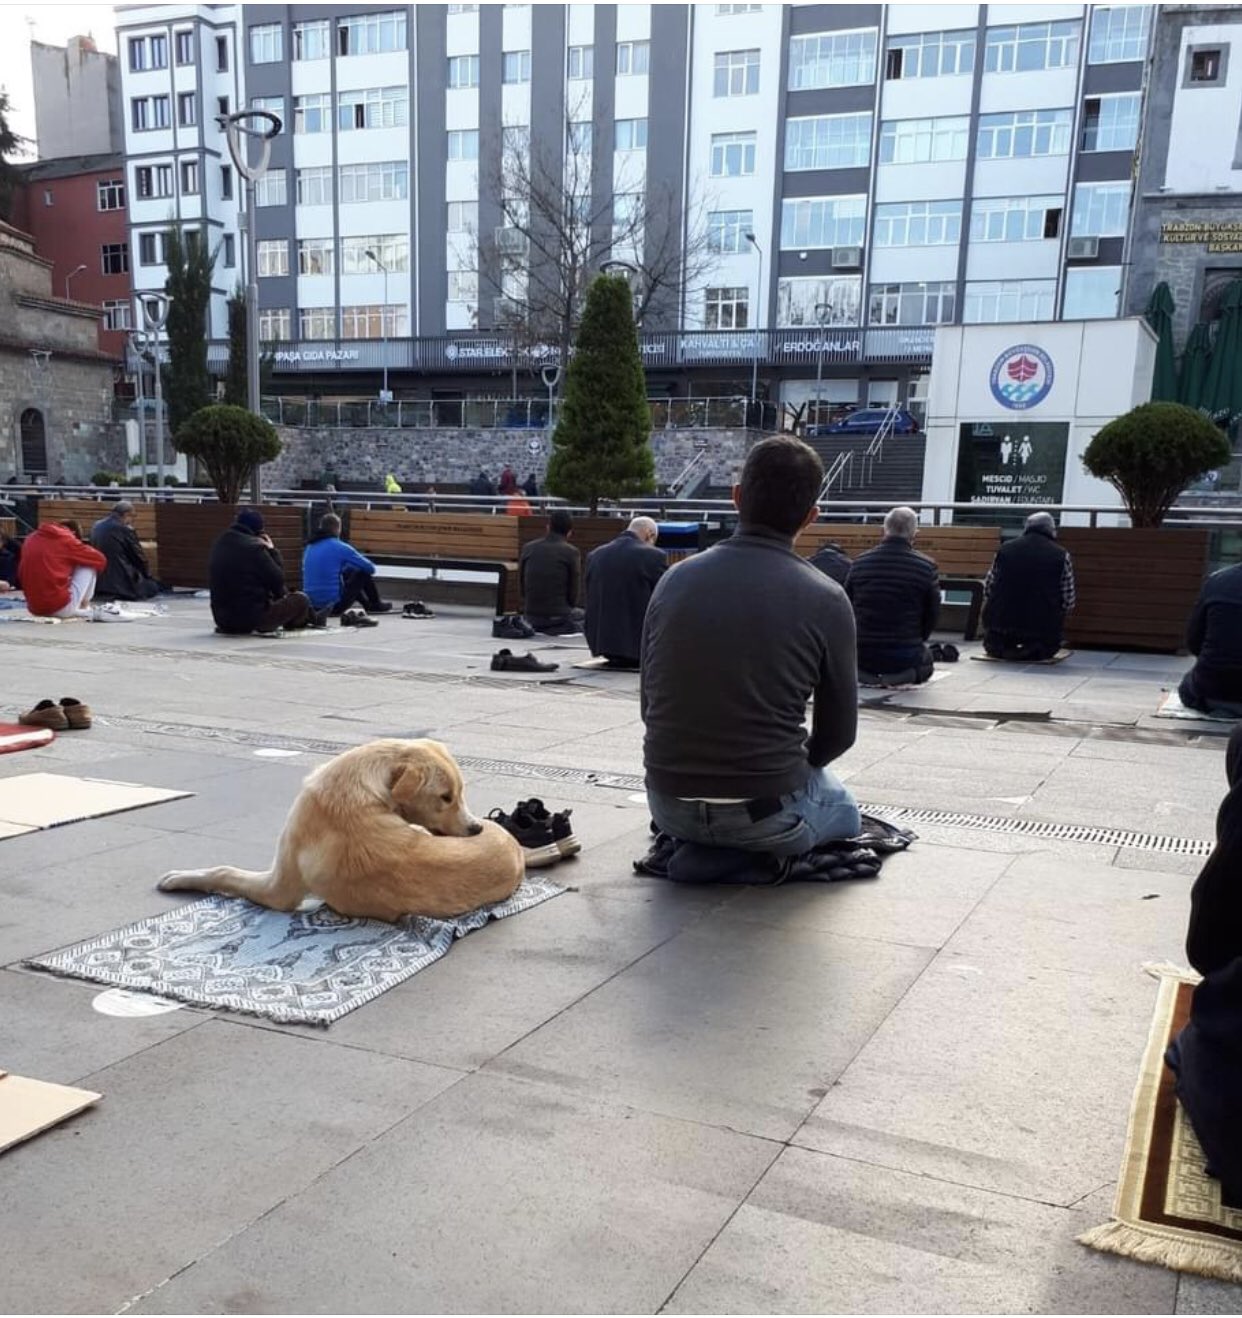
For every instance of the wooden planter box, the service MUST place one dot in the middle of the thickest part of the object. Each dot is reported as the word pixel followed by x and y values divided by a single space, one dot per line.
pixel 1136 588
pixel 184 533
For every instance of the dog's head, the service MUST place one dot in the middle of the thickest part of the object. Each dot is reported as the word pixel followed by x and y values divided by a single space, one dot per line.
pixel 427 790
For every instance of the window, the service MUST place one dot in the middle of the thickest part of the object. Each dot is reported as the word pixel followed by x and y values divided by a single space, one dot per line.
pixel 189 178
pixel 49 198
pixel 266 43
pixel 1110 123
pixel 316 256
pixel 828 141
pixel 393 250
pixel 374 322
pixel 148 53
pixel 930 55
pixel 153 181
pixel 736 73
pixel 727 230
pixel 463 286
pixel 275 324
pixel 831 59
pixel 139 57
pixel 724 10
pixel 515 66
pixel 1118 34
pixel 828 301
pixel 733 155
pixel 633 57
pixel 222 104
pixel 581 137
pixel 150 249
pixel 273 105
pixel 270 190
pixel 996 301
pixel 1015 219
pixel 514 141
pixel 187 109
pixel 1100 210
pixel 222 54
pixel 317 323
pixel 114 258
pixel 1091 293
pixel 581 63
pixel 371 34
pixel 631 135
pixel 272 257
pixel 823 222
pixel 912 304
pixel 463 144
pixel 463 217
pixel 149 112
pixel 313 114
pixel 183 46
pixel 110 194
pixel 1032 46
pixel 117 315
pixel 463 71
pixel 311 40
pixel 379 181
pixel 1204 64
pixel 229 251
pixel 628 216
pixel 374 107
pixel 921 141
pixel 226 182
pixel 1023 133
pixel 918 224
pixel 463 9
pixel 726 308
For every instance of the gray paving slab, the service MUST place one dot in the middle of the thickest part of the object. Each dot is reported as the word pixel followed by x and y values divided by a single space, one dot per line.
pixel 499 1196
pixel 825 1235
pixel 1205 1295
pixel 195 1138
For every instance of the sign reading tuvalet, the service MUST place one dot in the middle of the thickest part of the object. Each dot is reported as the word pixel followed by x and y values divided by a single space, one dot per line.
pixel 1217 235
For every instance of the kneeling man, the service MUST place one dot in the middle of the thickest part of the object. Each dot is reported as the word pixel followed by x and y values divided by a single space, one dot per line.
pixel 620 577
pixel 1214 637
pixel 1027 593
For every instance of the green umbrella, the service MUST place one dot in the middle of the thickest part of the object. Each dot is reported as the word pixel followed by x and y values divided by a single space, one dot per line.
pixel 1160 317
pixel 1222 391
pixel 1195 365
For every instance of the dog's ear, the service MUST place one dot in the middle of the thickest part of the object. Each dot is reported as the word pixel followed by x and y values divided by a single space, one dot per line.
pixel 408 782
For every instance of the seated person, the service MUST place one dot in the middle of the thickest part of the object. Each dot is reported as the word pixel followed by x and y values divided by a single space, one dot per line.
pixel 833 562
pixel 551 569
pixel 128 574
pixel 10 560
pixel 896 596
pixel 620 577
pixel 247 583
pixel 1027 593
pixel 59 572
pixel 737 639
pixel 1206 1056
pixel 335 575
pixel 1214 637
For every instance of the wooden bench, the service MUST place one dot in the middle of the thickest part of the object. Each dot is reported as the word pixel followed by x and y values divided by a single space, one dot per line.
pixel 185 532
pixel 86 512
pixel 963 554
pixel 459 542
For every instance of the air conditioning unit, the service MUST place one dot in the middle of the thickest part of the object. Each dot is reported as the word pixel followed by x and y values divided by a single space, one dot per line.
pixel 1082 249
pixel 847 258
pixel 506 310
pixel 510 241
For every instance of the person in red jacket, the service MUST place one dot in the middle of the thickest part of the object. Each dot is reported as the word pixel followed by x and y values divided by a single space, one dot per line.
pixel 58 572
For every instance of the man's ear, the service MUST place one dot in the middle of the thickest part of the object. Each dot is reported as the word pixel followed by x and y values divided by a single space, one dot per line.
pixel 737 497
pixel 812 514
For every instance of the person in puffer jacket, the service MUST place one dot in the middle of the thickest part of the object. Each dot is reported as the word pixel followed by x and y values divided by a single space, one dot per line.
pixel 335 574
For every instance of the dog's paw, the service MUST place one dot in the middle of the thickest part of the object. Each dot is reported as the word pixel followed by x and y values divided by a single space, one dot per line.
pixel 172 881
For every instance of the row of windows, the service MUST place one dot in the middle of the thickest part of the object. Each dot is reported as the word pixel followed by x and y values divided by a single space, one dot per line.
pixel 151 52
pixel 387 180
pixel 633 57
pixel 353 322
pixel 359 34
pixel 319 256
pixel 151 248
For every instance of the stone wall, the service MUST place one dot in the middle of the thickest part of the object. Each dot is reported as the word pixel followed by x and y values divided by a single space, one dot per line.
pixel 453 457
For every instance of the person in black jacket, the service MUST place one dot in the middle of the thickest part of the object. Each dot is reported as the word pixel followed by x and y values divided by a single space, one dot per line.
pixel 896 596
pixel 551 571
pixel 128 574
pixel 833 562
pixel 1027 593
pixel 620 577
pixel 1214 637
pixel 247 582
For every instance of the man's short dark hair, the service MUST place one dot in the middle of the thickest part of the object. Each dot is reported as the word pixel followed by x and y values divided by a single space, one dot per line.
pixel 560 522
pixel 780 484
pixel 330 523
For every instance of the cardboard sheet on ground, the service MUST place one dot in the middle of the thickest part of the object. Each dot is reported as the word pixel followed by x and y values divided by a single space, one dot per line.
pixel 29 1107
pixel 46 800
pixel 18 737
pixel 600 664
pixel 1171 707
pixel 937 676
pixel 1059 657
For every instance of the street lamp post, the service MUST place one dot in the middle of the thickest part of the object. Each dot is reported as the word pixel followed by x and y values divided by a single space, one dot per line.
pixel 821 309
pixel 754 367
pixel 385 396
pixel 138 349
pixel 154 315
pixel 260 126
pixel 69 276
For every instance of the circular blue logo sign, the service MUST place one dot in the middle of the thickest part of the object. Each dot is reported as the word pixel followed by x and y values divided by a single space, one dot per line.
pixel 1021 377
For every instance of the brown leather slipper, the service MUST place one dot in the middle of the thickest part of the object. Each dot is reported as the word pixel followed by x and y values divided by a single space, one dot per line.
pixel 45 714
pixel 77 714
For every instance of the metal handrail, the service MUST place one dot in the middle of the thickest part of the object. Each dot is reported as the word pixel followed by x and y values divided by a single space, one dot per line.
pixel 875 450
pixel 839 464
pixel 688 474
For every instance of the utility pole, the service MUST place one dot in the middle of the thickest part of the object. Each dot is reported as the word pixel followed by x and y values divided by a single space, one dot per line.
pixel 385 395
pixel 754 367
pixel 155 316
pixel 821 309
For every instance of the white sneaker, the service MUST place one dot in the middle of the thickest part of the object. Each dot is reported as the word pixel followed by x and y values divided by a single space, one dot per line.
pixel 110 613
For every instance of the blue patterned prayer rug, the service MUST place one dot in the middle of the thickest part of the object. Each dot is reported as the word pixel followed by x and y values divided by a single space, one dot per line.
pixel 310 967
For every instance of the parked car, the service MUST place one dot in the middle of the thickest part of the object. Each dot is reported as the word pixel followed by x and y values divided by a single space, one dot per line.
pixel 866 421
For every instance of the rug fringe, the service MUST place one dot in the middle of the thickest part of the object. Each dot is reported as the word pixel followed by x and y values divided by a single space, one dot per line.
pixel 1204 1258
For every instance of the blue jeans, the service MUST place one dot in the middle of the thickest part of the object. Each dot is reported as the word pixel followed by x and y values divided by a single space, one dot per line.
pixel 821 811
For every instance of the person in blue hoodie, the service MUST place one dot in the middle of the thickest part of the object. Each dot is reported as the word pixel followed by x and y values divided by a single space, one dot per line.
pixel 334 573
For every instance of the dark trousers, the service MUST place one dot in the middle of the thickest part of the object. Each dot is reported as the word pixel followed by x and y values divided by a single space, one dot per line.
pixel 882 667
pixel 294 610
pixel 1206 693
pixel 357 587
pixel 561 622
pixel 1018 649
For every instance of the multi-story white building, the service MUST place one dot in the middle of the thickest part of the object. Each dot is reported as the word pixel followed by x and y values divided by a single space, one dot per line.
pixel 842 177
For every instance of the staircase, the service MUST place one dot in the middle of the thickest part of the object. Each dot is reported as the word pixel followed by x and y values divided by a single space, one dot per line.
pixel 895 475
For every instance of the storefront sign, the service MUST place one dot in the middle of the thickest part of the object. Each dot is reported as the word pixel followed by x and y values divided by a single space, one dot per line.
pixel 1021 377
pixel 1022 463
pixel 1216 235
pixel 305 356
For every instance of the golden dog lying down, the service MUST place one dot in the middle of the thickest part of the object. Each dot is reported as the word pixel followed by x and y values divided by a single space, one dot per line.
pixel 381 831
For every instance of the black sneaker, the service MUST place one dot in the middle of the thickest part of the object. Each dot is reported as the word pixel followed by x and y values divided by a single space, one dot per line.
pixel 416 609
pixel 512 628
pixel 562 829
pixel 357 618
pixel 319 620
pixel 505 661
pixel 655 863
pixel 538 845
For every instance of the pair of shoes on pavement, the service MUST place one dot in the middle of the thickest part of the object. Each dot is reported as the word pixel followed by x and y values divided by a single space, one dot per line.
pixel 357 618
pixel 512 627
pixel 545 838
pixel 944 654
pixel 505 661
pixel 60 717
pixel 416 609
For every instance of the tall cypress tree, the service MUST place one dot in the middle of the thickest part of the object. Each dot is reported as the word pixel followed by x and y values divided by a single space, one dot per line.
pixel 187 384
pixel 11 144
pixel 601 447
pixel 235 391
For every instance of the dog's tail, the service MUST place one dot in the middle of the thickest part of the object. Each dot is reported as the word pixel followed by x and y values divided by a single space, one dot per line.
pixel 272 888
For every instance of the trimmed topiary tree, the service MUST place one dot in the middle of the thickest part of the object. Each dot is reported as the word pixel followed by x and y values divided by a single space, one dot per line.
pixel 230 442
pixel 601 447
pixel 1152 453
